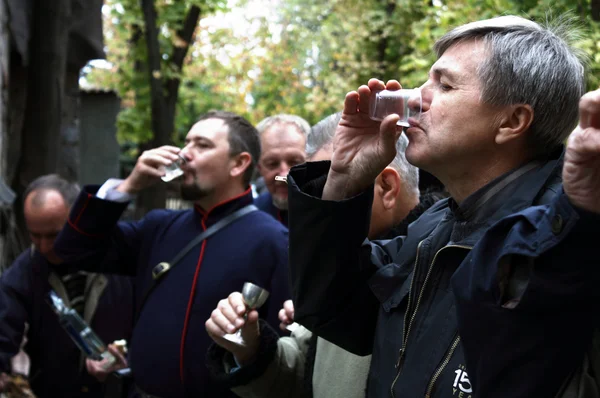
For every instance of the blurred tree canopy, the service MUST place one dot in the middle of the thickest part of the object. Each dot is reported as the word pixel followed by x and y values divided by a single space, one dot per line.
pixel 258 58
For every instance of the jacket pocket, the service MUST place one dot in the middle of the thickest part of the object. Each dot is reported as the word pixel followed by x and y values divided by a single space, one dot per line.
pixel 391 284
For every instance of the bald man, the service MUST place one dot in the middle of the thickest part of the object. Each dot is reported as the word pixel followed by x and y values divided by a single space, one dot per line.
pixel 106 302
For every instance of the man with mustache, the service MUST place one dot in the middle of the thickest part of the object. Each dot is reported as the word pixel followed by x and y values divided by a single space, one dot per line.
pixel 169 341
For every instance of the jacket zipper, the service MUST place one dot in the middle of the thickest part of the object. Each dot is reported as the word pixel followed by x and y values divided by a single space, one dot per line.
pixel 404 334
pixel 442 366
pixel 405 330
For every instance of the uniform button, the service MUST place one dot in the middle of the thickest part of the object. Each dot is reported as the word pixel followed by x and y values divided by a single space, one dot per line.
pixel 557 224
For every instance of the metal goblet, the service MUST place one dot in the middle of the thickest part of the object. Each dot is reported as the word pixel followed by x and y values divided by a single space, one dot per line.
pixel 254 297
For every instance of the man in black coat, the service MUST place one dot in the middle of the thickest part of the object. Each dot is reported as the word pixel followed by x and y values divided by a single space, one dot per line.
pixel 58 368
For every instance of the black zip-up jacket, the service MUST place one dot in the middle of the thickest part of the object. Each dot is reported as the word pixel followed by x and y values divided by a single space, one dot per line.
pixel 394 298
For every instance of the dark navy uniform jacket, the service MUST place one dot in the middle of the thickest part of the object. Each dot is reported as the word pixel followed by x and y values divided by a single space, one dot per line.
pixel 169 340
pixel 57 369
pixel 265 203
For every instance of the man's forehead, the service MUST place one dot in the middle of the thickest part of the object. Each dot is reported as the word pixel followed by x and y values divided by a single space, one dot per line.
pixel 460 58
pixel 209 128
pixel 282 132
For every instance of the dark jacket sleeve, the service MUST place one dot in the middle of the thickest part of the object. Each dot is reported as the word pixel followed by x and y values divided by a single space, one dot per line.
pixel 94 240
pixel 331 261
pixel 16 285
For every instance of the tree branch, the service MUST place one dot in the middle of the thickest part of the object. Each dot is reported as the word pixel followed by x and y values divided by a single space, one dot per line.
pixel 159 122
pixel 186 35
pixel 595 5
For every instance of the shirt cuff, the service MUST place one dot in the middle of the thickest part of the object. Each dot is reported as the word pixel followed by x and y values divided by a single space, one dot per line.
pixel 108 191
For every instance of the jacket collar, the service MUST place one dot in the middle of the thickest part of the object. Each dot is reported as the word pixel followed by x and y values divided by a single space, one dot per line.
pixel 507 194
pixel 220 210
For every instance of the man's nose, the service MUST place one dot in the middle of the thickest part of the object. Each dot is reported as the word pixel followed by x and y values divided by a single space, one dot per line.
pixel 426 96
pixel 185 153
pixel 284 169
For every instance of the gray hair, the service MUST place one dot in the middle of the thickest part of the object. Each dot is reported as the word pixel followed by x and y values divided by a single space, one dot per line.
pixel 301 124
pixel 53 182
pixel 529 64
pixel 322 134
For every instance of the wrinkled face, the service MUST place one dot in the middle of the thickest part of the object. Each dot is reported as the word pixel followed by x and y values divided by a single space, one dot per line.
pixel 209 162
pixel 456 129
pixel 282 146
pixel 45 215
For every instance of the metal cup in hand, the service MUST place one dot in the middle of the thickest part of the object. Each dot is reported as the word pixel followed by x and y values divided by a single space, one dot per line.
pixel 254 297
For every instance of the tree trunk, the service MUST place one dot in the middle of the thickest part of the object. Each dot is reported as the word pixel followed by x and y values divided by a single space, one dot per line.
pixel 595 5
pixel 383 43
pixel 40 142
pixel 186 35
pixel 163 103
pixel 42 122
pixel 156 196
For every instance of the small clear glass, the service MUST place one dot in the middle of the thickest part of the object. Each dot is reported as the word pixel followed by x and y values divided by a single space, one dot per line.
pixel 173 170
pixel 254 297
pixel 406 103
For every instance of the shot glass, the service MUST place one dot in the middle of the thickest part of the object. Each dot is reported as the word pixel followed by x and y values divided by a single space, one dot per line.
pixel 173 170
pixel 406 103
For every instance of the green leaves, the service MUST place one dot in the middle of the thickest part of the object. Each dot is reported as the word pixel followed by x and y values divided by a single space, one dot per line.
pixel 293 56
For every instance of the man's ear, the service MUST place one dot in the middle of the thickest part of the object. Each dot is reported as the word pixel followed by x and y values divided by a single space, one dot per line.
pixel 514 122
pixel 387 186
pixel 239 164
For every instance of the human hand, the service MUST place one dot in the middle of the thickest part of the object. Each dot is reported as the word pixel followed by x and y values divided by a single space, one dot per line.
pixel 228 318
pixel 581 170
pixel 4 379
pixel 101 369
pixel 286 315
pixel 149 168
pixel 362 147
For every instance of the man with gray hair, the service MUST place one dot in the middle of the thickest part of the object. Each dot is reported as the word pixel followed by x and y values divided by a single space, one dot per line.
pixel 493 292
pixel 282 141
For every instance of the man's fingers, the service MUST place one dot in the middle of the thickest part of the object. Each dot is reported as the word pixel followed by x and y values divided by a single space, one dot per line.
pixel 213 329
pixel 351 103
pixel 376 84
pixel 236 301
pixel 150 171
pixel 583 144
pixel 121 361
pixel 170 148
pixel 288 306
pixel 166 153
pixel 589 110
pixel 390 130
pixel 282 315
pixel 155 160
pixel 229 313
pixel 364 94
pixel 393 85
pixel 223 323
pixel 252 317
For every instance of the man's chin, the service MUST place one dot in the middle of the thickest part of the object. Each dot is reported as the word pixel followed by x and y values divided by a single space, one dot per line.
pixel 192 192
pixel 280 202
